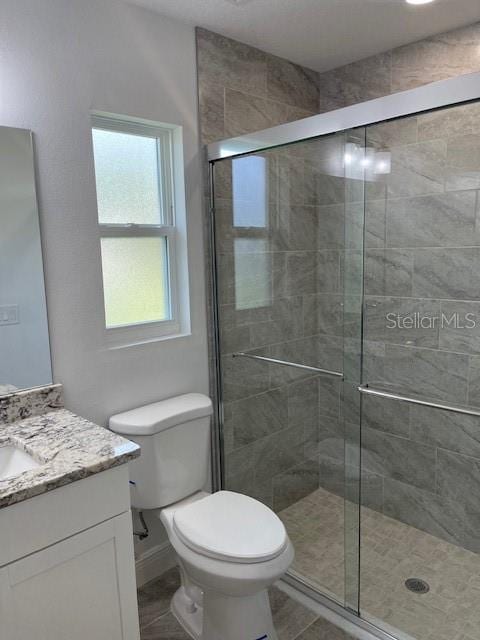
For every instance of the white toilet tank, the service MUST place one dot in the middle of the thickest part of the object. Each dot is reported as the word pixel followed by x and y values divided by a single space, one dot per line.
pixel 174 435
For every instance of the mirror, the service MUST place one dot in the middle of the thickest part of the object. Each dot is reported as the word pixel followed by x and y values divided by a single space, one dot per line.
pixel 24 343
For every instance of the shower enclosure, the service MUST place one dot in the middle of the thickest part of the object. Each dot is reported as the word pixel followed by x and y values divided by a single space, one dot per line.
pixel 347 286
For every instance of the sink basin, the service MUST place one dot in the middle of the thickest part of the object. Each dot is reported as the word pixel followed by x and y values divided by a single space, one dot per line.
pixel 14 461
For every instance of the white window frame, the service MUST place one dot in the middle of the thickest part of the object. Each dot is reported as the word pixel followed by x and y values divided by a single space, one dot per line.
pixel 166 135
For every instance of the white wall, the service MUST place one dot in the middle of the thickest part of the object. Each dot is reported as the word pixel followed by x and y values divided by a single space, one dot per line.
pixel 60 59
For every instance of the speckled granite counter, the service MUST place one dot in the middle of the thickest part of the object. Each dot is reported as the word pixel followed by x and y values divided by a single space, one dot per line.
pixel 67 447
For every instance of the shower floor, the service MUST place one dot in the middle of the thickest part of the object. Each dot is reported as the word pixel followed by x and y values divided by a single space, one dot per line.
pixel 391 552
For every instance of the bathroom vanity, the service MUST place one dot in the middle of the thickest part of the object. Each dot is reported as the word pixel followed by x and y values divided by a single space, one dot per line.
pixel 66 546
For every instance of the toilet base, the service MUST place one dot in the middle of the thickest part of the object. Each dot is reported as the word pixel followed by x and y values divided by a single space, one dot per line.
pixel 190 618
pixel 224 617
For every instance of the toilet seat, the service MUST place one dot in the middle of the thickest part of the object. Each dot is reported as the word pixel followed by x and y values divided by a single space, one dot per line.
pixel 232 527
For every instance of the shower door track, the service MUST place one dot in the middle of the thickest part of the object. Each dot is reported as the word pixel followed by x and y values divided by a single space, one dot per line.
pixel 431 97
pixel 444 93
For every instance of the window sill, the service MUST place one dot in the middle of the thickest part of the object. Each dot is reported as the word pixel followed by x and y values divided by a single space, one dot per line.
pixel 115 346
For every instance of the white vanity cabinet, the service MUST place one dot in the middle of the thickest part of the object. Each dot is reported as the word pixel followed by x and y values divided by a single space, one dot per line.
pixel 67 564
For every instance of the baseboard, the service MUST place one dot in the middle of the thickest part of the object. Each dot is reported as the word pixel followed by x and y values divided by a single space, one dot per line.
pixel 154 562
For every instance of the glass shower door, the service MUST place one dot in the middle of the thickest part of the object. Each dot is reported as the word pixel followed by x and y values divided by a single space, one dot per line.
pixel 420 533
pixel 289 252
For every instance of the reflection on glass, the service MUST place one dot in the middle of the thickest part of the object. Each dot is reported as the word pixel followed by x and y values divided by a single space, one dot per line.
pixel 253 278
pixel 135 280
pixel 126 171
pixel 250 197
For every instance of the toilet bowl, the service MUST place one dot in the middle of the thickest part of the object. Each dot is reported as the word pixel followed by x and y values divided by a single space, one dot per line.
pixel 224 581
pixel 230 547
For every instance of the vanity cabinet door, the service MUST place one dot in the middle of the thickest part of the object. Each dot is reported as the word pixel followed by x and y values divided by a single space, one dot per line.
pixel 82 588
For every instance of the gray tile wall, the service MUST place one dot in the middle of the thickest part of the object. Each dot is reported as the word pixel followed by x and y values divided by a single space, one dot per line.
pixel 270 416
pixel 436 58
pixel 272 412
pixel 425 461
pixel 425 267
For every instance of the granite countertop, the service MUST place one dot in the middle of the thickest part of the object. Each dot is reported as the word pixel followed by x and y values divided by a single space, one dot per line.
pixel 67 447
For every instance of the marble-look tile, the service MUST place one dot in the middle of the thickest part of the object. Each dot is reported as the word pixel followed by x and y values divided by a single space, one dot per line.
pixel 229 63
pixel 285 321
pixel 294 484
pixel 303 225
pixel 323 351
pixel 329 396
pixel 32 402
pixel 278 453
pixel 331 226
pixel 474 381
pixel 328 272
pixel 403 321
pixel 226 278
pixel 331 439
pixel 446 123
pixel 446 429
pixel 444 220
pixel 245 113
pixel 398 458
pixel 300 272
pixel 155 596
pixel 386 415
pixel 388 272
pixel 259 416
pixel 356 82
pixel 375 223
pixel 393 133
pixel 423 510
pixel 373 361
pixel 302 398
pixel 227 428
pixel 436 58
pixel 417 169
pixel 457 476
pixel 233 338
pixel 211 99
pixel 426 372
pixel 292 84
pixel 447 273
pixel 323 313
pixel 331 91
pixel 460 327
pixel 328 189
pixel 463 163
pixel 243 377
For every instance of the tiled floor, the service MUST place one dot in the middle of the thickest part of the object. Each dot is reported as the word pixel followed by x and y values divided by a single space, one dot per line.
pixel 391 552
pixel 292 620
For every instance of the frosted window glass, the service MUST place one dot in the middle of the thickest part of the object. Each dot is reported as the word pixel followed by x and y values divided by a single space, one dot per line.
pixel 135 280
pixel 253 275
pixel 126 171
pixel 249 179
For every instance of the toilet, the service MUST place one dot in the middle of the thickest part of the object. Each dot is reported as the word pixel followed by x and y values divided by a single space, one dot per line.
pixel 230 547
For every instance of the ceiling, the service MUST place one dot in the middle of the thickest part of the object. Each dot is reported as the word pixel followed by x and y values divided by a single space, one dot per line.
pixel 321 34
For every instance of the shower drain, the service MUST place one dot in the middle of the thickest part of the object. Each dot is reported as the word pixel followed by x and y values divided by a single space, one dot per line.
pixel 417 585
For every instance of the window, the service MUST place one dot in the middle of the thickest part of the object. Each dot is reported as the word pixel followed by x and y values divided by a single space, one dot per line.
pixel 138 227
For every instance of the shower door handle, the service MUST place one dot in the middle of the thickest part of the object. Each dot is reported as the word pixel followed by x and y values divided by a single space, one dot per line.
pixel 285 363
pixel 369 391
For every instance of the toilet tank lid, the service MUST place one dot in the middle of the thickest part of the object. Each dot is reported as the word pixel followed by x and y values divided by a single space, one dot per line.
pixel 159 416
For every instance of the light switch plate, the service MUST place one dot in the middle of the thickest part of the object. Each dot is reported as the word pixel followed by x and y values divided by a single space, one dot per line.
pixel 9 314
